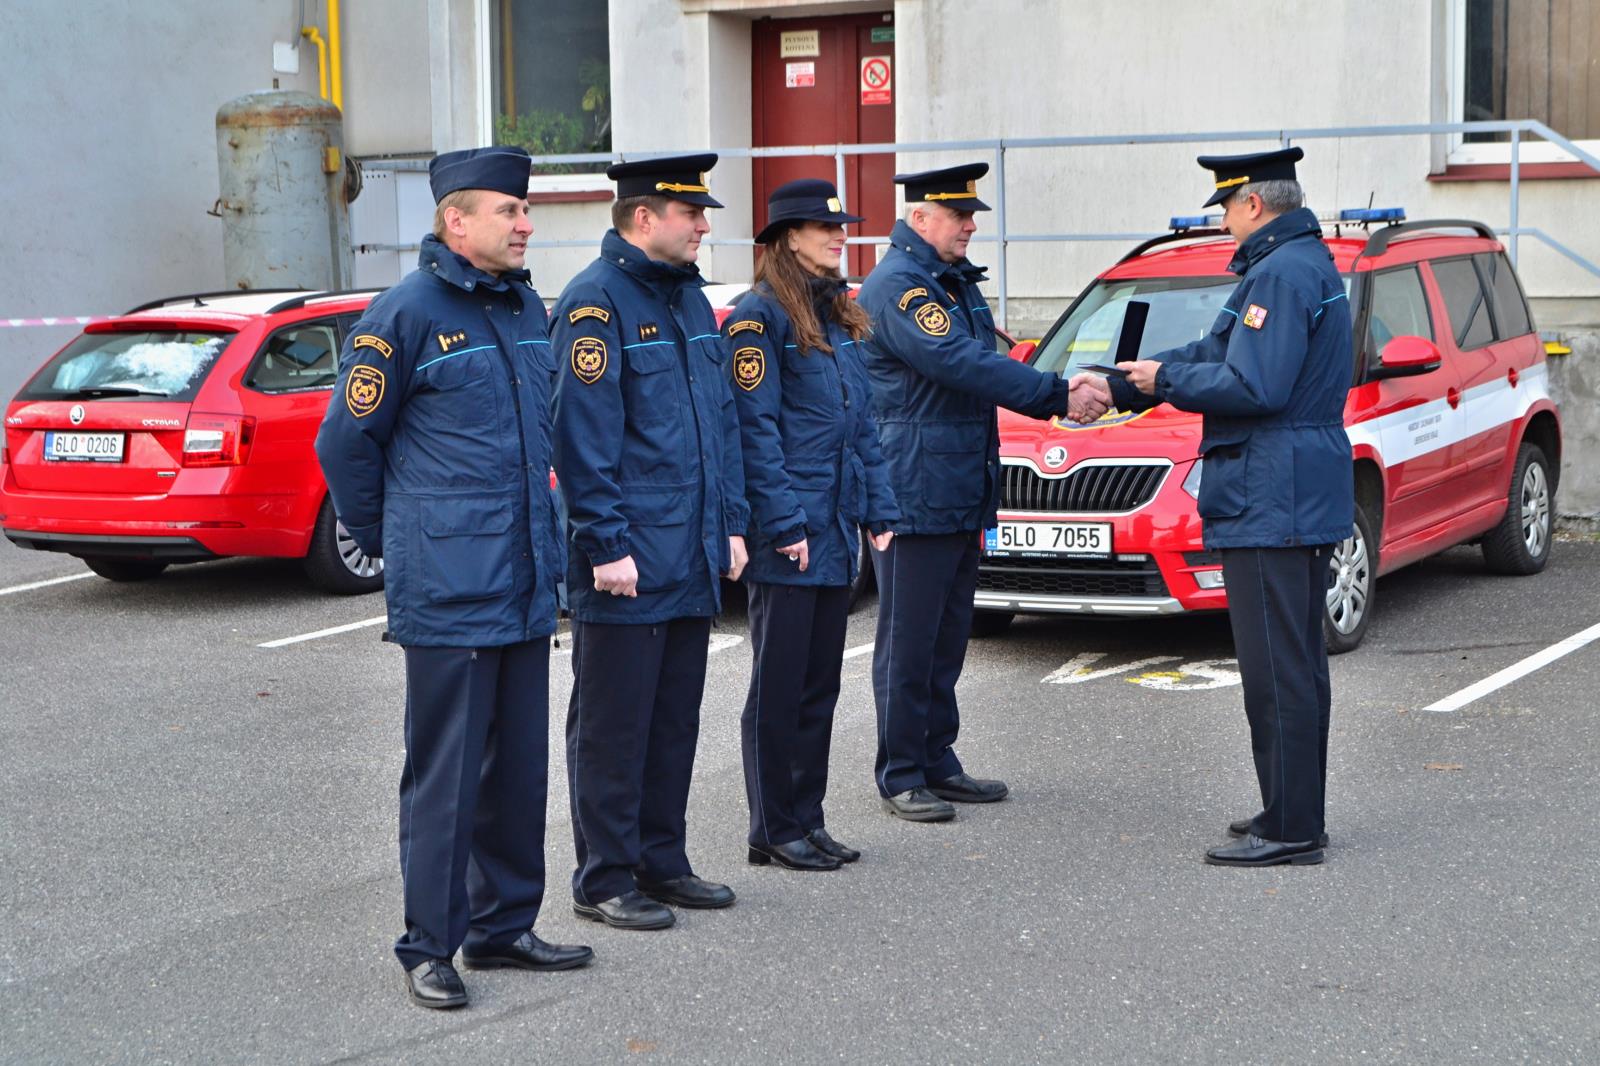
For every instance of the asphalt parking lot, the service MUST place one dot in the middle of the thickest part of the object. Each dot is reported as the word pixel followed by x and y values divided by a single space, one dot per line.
pixel 197 857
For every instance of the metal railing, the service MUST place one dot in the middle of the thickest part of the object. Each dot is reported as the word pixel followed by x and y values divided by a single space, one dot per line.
pixel 1000 146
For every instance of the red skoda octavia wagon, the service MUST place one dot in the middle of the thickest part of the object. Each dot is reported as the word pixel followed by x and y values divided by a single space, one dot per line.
pixel 181 431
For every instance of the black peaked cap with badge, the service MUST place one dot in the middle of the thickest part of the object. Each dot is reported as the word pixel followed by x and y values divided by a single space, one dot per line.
pixel 955 187
pixel 503 168
pixel 678 177
pixel 1233 171
pixel 804 200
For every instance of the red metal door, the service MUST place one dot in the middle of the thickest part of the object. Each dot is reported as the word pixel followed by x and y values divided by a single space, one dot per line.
pixel 821 92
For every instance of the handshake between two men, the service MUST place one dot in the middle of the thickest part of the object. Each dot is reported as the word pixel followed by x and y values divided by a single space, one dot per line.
pixel 1089 396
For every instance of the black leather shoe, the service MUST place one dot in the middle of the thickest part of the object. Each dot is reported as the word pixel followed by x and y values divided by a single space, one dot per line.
pixel 793 855
pixel 1242 826
pixel 828 846
pixel 528 952
pixel 1253 851
pixel 436 985
pixel 919 805
pixel 964 789
pixel 631 910
pixel 689 891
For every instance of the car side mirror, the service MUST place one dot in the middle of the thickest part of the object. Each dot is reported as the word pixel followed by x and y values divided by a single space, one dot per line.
pixel 1022 351
pixel 1405 357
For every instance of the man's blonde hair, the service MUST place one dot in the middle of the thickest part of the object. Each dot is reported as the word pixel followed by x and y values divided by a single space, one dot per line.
pixel 463 200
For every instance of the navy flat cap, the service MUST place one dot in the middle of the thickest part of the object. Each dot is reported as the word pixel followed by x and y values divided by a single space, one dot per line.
pixel 502 168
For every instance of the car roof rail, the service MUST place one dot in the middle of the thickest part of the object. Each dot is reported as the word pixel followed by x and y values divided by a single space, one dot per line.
pixel 1379 242
pixel 197 297
pixel 295 302
pixel 1167 238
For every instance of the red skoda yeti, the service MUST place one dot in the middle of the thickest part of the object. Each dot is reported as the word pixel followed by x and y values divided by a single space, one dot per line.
pixel 182 430
pixel 1452 430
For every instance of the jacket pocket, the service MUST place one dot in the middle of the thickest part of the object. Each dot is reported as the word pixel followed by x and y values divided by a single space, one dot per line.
pixel 952 465
pixel 458 389
pixel 650 383
pixel 662 543
pixel 1225 482
pixel 467 549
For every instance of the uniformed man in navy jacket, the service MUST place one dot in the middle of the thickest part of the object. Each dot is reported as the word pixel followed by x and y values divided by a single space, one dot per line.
pixel 647 455
pixel 1271 378
pixel 936 381
pixel 436 449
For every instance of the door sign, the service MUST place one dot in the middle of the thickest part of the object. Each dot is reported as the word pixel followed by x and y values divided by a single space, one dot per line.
pixel 877 80
pixel 800 75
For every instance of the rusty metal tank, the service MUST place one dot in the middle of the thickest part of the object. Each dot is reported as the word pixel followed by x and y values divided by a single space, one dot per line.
pixel 284 202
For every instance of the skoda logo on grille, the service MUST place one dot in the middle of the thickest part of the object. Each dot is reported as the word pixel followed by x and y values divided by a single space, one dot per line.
pixel 1056 457
pixel 76 414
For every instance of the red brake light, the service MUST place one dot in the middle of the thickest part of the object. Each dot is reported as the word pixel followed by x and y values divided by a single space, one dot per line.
pixel 218 440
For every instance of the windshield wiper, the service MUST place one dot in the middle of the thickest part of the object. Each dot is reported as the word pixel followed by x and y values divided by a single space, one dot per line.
pixel 97 392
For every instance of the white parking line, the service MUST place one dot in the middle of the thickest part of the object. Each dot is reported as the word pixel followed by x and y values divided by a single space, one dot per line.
pixel 325 632
pixel 1516 670
pixel 43 584
pixel 851 653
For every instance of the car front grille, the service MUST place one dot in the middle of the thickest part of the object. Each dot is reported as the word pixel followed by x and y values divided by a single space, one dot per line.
pixel 1077 577
pixel 1107 487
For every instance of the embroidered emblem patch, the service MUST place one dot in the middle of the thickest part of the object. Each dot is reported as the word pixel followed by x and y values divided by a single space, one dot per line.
pixel 578 314
pixel 363 392
pixel 749 367
pixel 454 339
pixel 1255 316
pixel 588 359
pixel 933 320
pixel 911 294
pixel 649 331
pixel 747 324
pixel 377 344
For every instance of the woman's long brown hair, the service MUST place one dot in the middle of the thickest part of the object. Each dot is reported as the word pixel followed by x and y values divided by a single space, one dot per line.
pixel 790 283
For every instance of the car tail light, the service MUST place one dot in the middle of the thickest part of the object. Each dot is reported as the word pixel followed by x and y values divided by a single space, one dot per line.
pixel 218 440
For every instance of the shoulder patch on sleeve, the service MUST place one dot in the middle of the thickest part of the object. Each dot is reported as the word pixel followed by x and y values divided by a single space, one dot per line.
pixel 1255 316
pixel 578 314
pixel 363 392
pixel 749 367
pixel 588 358
pixel 748 323
pixel 377 344
pixel 932 319
pixel 911 294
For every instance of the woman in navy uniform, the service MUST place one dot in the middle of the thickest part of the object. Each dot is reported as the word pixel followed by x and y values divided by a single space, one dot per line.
pixel 647 453
pixel 814 475
pixel 1271 378
pixel 436 450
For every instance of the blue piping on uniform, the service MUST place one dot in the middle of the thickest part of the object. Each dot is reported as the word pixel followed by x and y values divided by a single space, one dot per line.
pixel 1324 305
pixel 533 342
pixel 452 355
pixel 643 344
pixel 1226 311
pixel 704 336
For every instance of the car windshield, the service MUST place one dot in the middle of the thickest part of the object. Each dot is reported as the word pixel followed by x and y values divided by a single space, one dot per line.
pixel 158 364
pixel 1181 311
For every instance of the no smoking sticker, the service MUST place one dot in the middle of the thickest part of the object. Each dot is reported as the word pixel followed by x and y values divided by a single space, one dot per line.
pixel 877 79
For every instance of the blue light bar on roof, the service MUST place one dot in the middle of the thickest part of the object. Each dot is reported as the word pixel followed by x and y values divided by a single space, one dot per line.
pixel 1194 221
pixel 1373 214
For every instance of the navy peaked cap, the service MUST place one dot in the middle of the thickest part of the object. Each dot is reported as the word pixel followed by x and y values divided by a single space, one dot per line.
pixel 805 200
pixel 680 177
pixel 1233 171
pixel 955 187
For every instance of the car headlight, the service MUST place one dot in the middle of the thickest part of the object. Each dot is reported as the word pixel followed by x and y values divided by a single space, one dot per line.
pixel 1191 482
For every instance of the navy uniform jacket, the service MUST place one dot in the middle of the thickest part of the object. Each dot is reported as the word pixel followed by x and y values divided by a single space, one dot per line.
pixel 936 379
pixel 436 449
pixel 646 437
pixel 1271 378
pixel 812 465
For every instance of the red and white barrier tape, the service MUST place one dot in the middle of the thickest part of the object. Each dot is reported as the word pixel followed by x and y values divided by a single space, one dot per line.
pixel 61 320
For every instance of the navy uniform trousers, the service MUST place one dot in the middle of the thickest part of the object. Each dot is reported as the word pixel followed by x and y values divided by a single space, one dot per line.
pixel 797 635
pixel 925 588
pixel 472 797
pixel 1276 601
pixel 632 725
